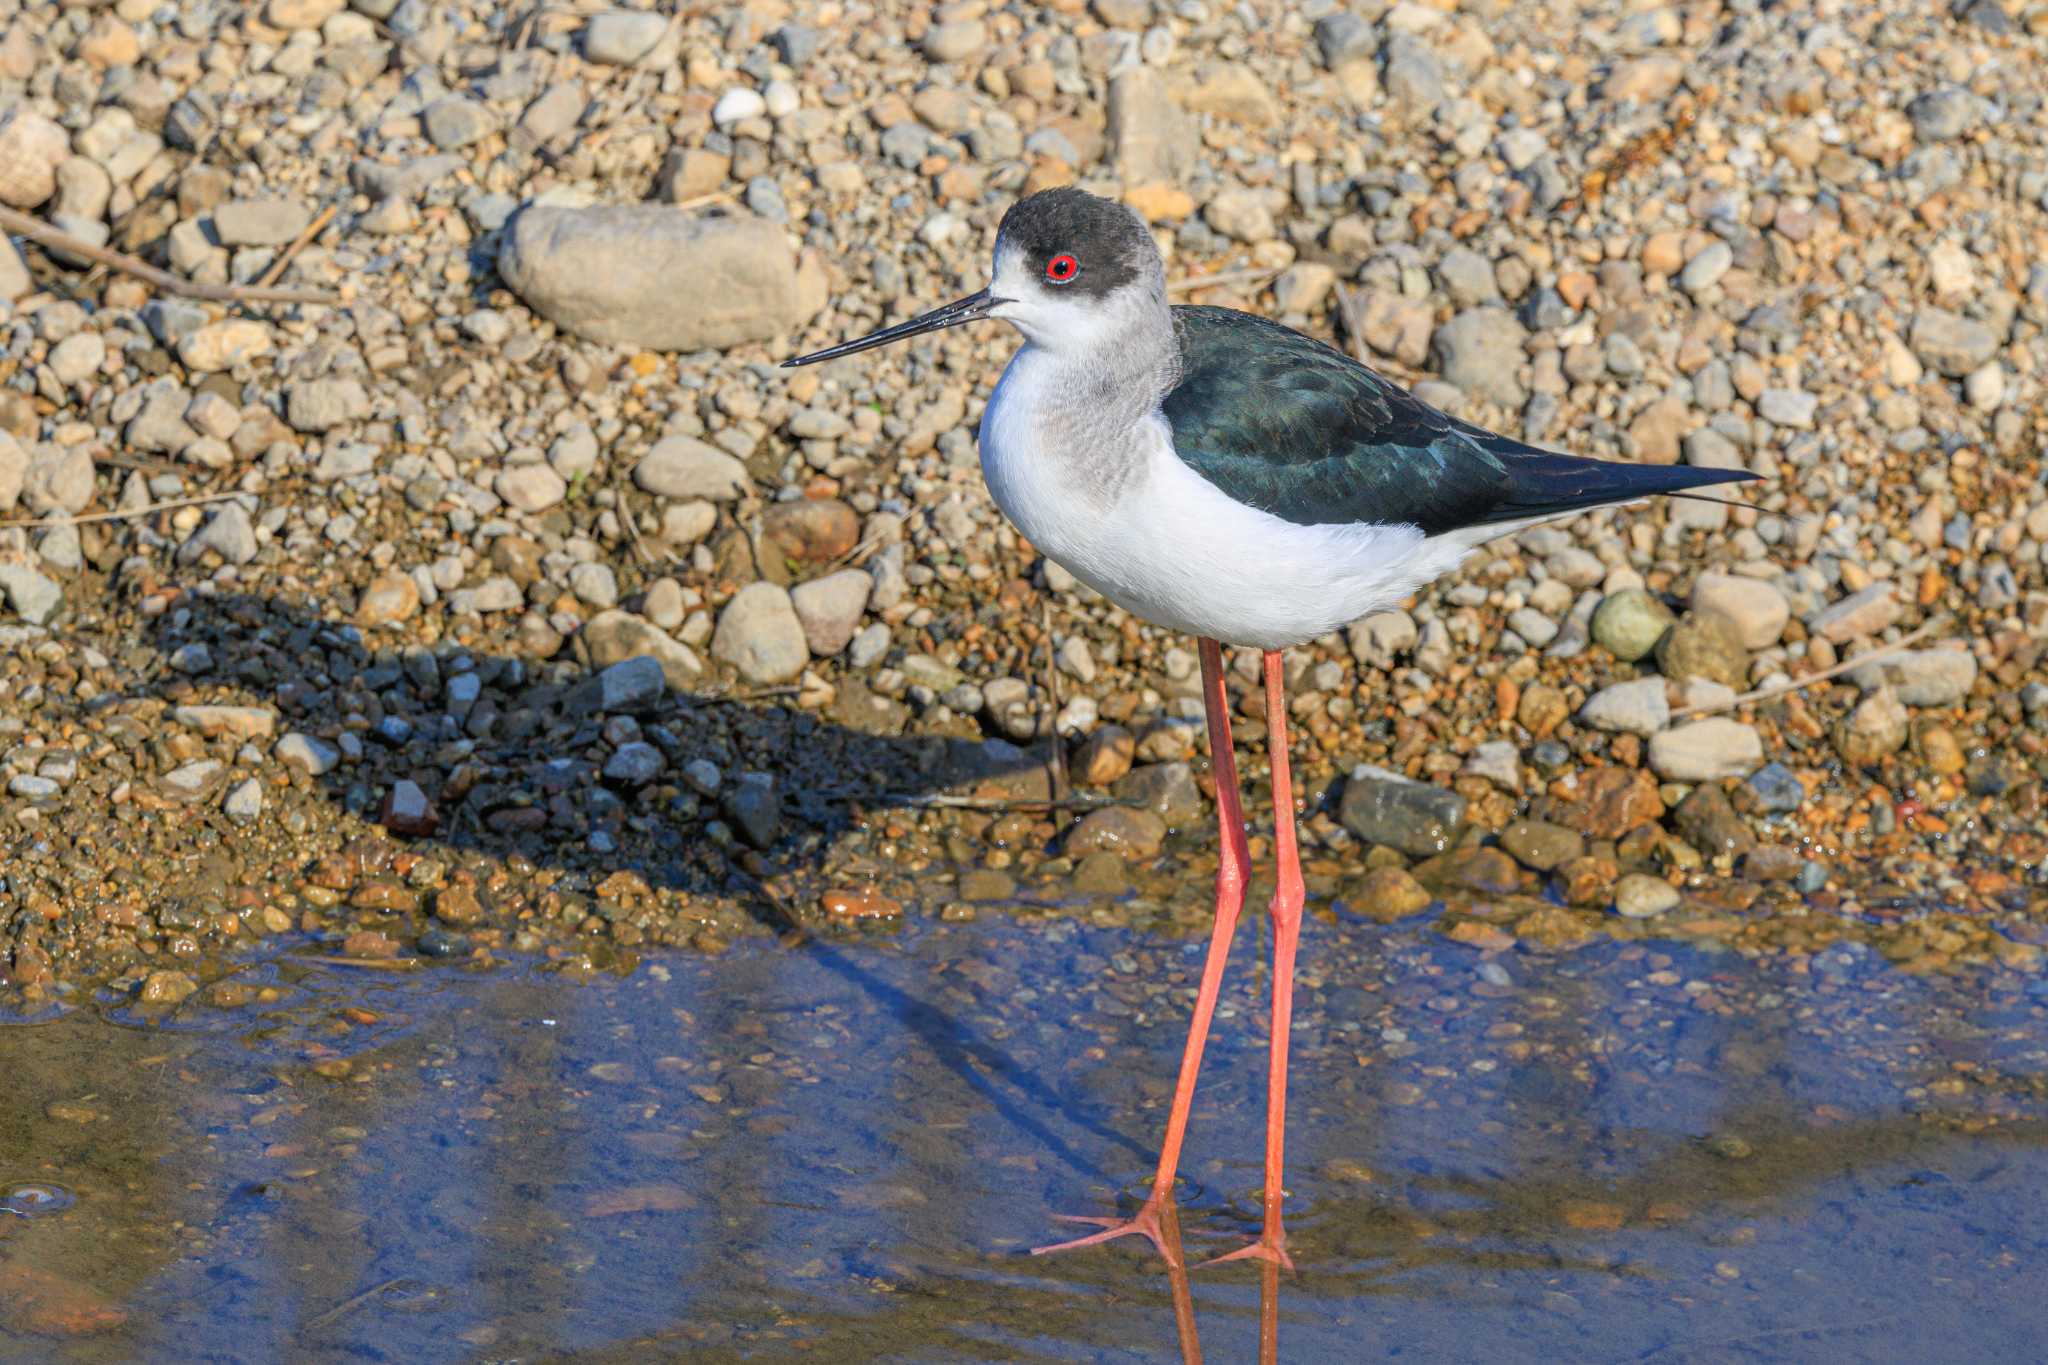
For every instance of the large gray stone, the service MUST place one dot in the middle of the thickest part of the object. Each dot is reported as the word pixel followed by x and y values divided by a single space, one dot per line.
pixel 260 222
pixel 59 480
pixel 622 37
pixel 1385 808
pixel 1922 677
pixel 227 533
pixel 830 608
pixel 615 636
pixel 33 597
pixel 1637 707
pixel 685 467
pixel 1950 342
pixel 657 277
pixel 1480 351
pixel 1152 139
pixel 1706 750
pixel 760 635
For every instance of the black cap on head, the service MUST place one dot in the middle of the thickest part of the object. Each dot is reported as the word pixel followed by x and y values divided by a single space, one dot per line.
pixel 1108 242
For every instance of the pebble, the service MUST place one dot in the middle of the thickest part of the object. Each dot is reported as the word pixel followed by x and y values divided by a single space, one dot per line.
pixel 760 635
pixel 1637 707
pixel 1758 609
pixel 1630 622
pixel 223 345
pixel 657 277
pixel 684 467
pixel 260 222
pixel 1418 819
pixel 1480 351
pixel 1637 896
pixel 1704 644
pixel 622 37
pixel 830 608
pixel 31 596
pixel 1705 750
pixel 531 487
pixel 1860 614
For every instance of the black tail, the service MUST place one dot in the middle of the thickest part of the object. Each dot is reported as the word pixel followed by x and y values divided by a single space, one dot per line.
pixel 1542 485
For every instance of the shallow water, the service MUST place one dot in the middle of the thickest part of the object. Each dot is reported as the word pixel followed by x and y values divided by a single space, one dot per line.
pixel 840 1151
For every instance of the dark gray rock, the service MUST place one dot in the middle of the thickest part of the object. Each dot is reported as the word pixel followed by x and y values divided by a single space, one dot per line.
pixel 1385 808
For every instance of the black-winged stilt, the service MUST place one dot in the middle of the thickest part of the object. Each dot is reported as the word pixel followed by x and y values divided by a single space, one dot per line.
pixel 1217 473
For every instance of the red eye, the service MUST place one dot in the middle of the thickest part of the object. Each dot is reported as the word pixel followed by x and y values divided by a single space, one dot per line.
pixel 1060 269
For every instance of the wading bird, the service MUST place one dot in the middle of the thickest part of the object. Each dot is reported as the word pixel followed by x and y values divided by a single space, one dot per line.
pixel 1213 472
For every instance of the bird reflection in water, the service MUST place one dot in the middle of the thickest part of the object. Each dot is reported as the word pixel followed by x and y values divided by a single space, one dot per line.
pixel 1184 1298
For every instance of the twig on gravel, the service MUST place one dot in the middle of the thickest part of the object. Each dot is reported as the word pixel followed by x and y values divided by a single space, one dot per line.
pixel 299 243
pixel 21 224
pixel 398 964
pixel 37 523
pixel 699 201
pixel 347 1306
pixel 1222 278
pixel 1797 684
pixel 1004 803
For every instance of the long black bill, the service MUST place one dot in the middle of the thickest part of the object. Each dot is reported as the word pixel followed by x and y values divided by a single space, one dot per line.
pixel 969 309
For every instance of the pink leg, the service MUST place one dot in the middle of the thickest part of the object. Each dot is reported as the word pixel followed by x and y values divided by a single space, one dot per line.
pixel 1232 867
pixel 1288 898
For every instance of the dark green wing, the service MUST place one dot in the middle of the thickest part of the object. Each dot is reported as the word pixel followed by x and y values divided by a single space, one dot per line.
pixel 1286 424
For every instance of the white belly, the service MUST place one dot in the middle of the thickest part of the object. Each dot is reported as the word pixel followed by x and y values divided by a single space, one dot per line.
pixel 1171 548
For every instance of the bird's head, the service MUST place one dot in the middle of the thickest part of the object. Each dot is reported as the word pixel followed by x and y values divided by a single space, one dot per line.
pixel 1072 272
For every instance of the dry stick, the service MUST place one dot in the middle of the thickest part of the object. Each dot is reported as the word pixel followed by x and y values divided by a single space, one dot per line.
pixel 1221 278
pixel 19 223
pixel 1075 801
pixel 1797 684
pixel 698 201
pixel 299 243
pixel 342 1309
pixel 80 520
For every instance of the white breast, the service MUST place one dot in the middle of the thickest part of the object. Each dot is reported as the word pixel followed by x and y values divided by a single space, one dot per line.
pixel 1170 547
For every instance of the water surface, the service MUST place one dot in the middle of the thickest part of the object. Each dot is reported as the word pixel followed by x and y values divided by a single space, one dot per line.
pixel 841 1150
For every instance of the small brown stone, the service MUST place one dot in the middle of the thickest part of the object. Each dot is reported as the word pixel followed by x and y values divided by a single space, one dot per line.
pixel 1390 893
pixel 387 894
pixel 1485 937
pixel 1608 804
pixel 369 943
pixel 458 904
pixel 1704 644
pixel 1710 824
pixel 1772 863
pixel 1940 750
pixel 1104 756
pixel 1542 709
pixel 390 597
pixel 1555 929
pixel 1118 829
pixel 812 531
pixel 166 988
pixel 859 902
pixel 1586 881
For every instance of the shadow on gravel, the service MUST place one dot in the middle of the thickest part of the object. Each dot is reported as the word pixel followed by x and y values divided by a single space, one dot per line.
pixel 560 764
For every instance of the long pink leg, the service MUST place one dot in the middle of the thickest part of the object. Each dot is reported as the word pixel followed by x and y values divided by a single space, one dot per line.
pixel 1288 898
pixel 1232 867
